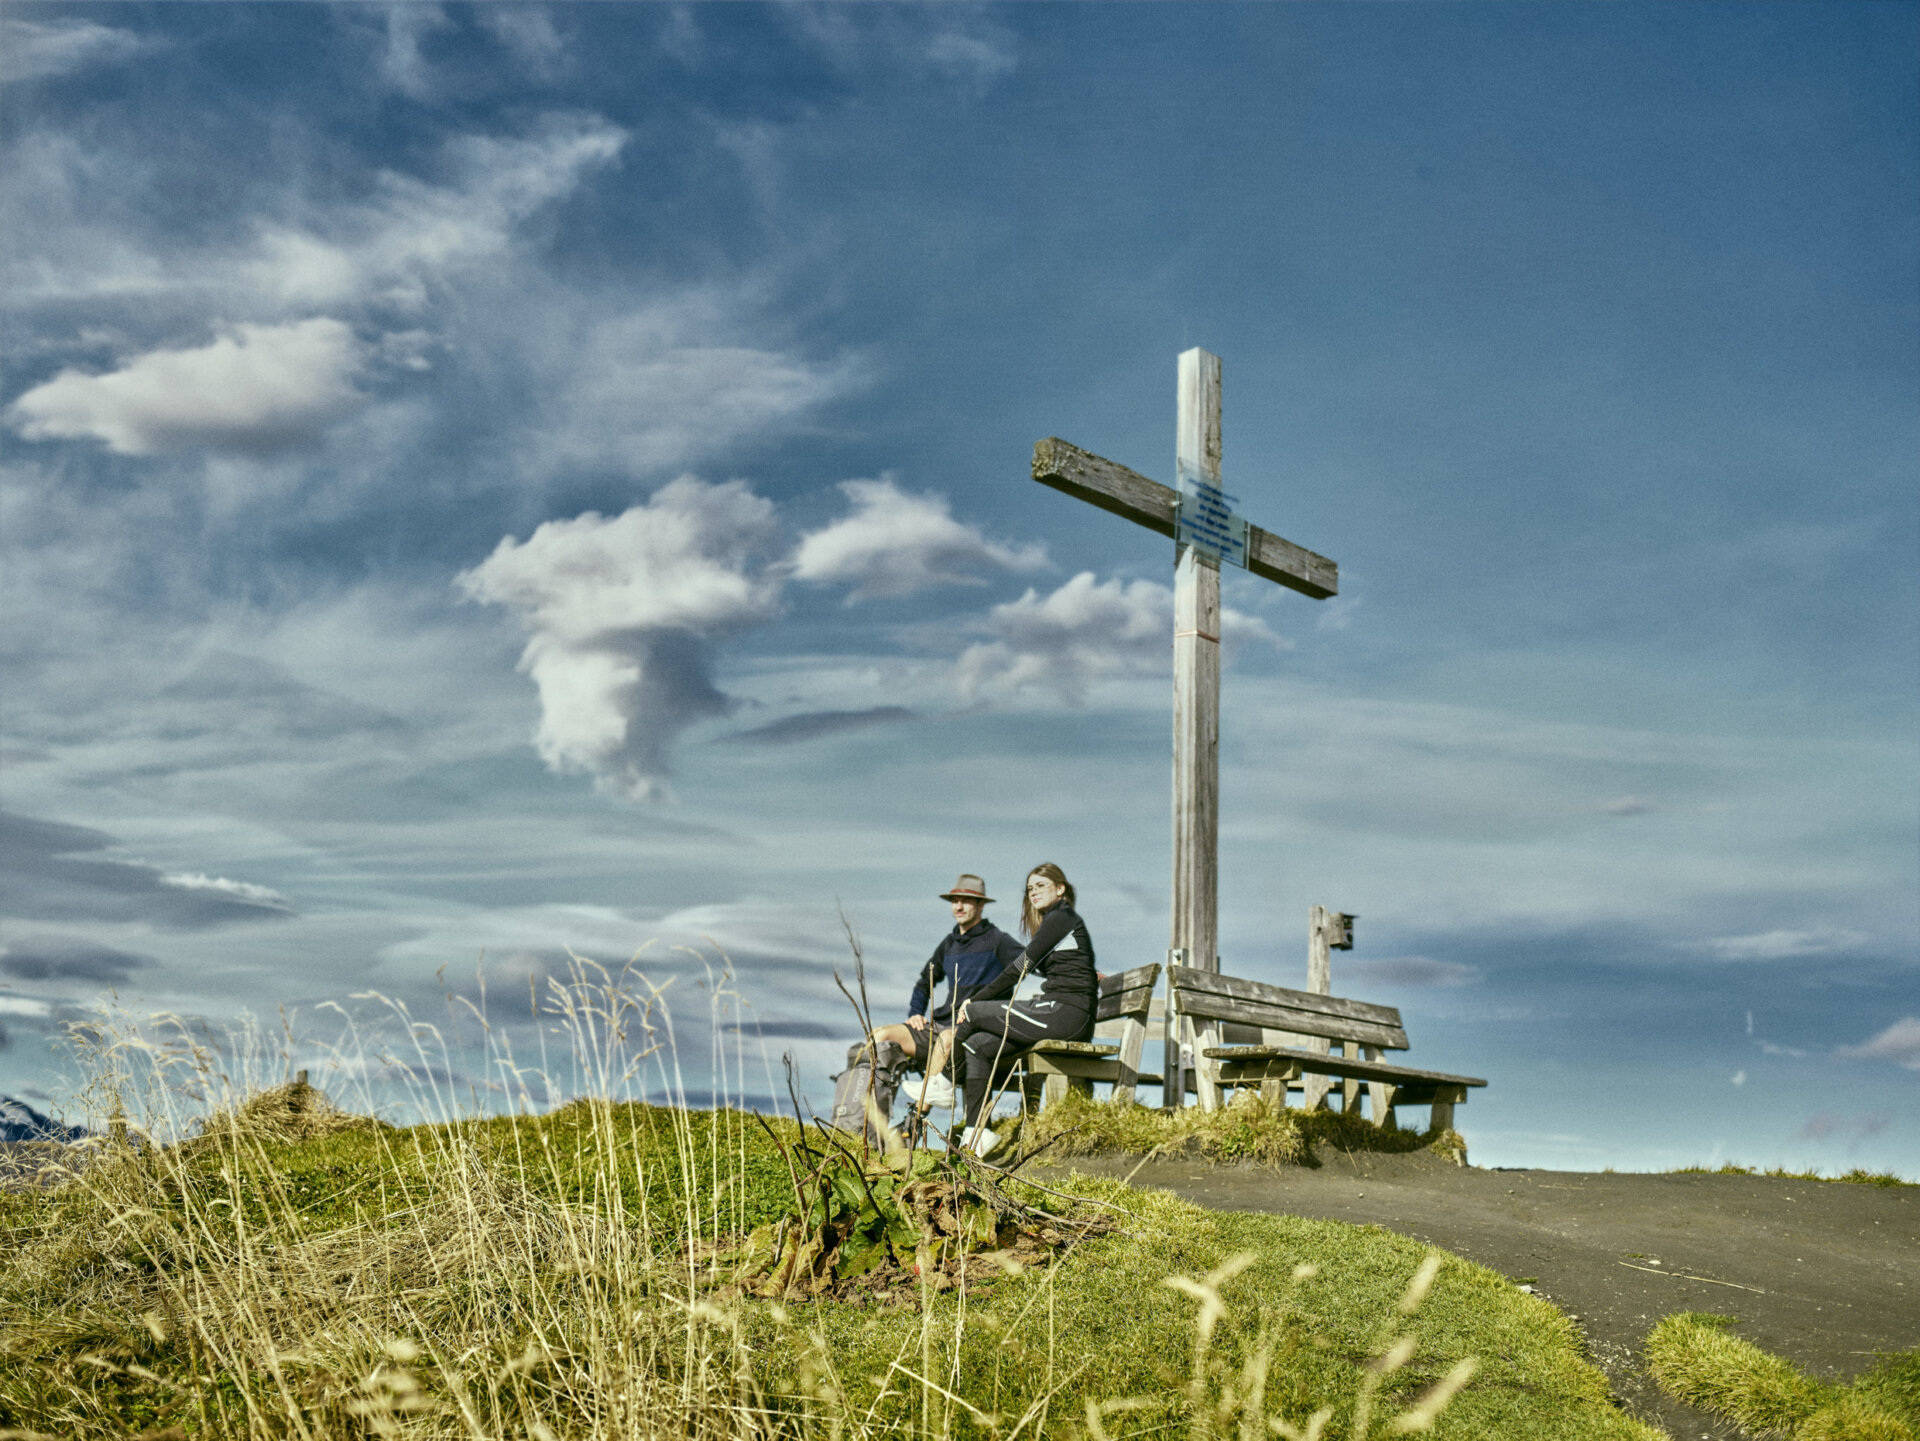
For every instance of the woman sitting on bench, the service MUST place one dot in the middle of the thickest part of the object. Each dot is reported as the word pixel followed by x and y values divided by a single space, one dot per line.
pixel 992 1030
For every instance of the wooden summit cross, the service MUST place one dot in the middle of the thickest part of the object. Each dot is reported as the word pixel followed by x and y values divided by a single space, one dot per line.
pixel 1205 530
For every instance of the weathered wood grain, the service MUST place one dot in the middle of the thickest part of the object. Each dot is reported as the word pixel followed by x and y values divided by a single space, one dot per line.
pixel 1189 978
pixel 1294 566
pixel 1106 484
pixel 1208 1008
pixel 1116 489
pixel 1196 759
pixel 1320 983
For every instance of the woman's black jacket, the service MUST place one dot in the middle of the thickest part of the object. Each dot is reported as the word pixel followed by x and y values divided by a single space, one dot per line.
pixel 1061 954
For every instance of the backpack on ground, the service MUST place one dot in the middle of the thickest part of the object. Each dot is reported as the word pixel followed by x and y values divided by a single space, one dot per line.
pixel 867 1076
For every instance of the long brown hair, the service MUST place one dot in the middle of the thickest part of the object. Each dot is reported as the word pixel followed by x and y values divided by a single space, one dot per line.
pixel 1029 917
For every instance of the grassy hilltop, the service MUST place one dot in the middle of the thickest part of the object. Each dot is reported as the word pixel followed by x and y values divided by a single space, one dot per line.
pixel 291 1271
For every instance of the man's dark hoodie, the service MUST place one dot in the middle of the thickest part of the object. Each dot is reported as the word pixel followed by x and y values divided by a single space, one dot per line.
pixel 966 962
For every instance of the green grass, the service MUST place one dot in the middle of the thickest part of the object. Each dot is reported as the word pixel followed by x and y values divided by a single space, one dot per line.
pixel 287 1275
pixel 1247 1128
pixel 1855 1177
pixel 1696 1359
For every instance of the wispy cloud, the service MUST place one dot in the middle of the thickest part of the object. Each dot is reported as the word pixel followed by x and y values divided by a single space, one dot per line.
pixel 402 65
pixel 979 59
pixel 529 34
pixel 895 544
pixel 1899 1043
pixel 52 871
pixel 35 50
pixel 812 725
pixel 1779 945
pixel 1627 806
pixel 661 385
pixel 1061 643
pixel 411 237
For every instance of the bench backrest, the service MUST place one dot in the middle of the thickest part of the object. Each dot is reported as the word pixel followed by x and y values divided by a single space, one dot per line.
pixel 1206 995
pixel 1127 993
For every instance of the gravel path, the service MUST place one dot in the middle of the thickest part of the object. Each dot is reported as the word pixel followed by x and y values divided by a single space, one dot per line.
pixel 1822 1273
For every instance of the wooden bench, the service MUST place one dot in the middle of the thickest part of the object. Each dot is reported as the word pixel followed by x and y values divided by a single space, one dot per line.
pixel 1052 1068
pixel 1202 1004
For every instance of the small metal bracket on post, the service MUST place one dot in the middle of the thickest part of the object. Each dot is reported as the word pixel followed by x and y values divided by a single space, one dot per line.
pixel 1173 1067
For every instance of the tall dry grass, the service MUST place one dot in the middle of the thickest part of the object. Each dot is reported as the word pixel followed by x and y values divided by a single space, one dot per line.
pixel 244 1259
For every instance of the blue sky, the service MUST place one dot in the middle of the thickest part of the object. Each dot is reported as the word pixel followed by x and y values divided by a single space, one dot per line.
pixel 503 479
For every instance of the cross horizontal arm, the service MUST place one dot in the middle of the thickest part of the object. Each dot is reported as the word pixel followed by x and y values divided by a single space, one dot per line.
pixel 1127 493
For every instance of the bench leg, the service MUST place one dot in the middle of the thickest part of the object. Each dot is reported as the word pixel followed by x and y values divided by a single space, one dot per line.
pixel 1443 1115
pixel 1274 1093
pixel 1206 1072
pixel 1133 1040
pixel 1379 1094
pixel 1314 1087
pixel 1349 1087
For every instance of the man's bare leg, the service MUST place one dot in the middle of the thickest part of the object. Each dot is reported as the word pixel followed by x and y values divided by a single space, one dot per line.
pixel 900 1034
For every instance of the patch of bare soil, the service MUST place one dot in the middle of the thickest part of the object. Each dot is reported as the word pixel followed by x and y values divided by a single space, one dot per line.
pixel 1824 1274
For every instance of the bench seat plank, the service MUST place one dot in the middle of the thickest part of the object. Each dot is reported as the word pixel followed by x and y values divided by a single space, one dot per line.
pixel 1327 1065
pixel 1075 1048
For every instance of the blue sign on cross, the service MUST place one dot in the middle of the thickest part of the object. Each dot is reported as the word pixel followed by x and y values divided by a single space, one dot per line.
pixel 1207 520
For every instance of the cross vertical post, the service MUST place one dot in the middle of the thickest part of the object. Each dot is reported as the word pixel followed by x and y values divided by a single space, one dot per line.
pixel 1196 684
pixel 1200 519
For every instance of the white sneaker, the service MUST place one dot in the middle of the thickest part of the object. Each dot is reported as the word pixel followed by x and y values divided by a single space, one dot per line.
pixel 979 1140
pixel 936 1094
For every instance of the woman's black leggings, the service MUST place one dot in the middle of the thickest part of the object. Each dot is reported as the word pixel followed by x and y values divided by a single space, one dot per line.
pixel 997 1031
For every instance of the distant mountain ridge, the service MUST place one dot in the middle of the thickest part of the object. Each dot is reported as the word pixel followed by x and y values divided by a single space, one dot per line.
pixel 20 1122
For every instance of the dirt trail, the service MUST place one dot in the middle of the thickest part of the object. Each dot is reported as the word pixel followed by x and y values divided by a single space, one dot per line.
pixel 1822 1273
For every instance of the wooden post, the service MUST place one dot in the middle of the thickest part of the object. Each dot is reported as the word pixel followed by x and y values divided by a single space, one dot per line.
pixel 1320 981
pixel 1174 1033
pixel 1196 685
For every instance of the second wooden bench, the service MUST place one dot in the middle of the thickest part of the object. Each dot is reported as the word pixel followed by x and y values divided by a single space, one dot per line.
pixel 1203 1003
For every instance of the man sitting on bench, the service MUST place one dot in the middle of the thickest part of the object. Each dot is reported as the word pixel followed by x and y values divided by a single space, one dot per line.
pixel 969 957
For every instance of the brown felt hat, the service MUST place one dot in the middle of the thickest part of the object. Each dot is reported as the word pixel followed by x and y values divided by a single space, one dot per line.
pixel 968 888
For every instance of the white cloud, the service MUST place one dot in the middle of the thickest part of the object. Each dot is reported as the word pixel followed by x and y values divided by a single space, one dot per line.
pixel 258 389
pixel 33 50
pixel 623 615
pixel 22 1006
pixel 895 544
pixel 1085 630
pixel 1778 945
pixel 1899 1043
